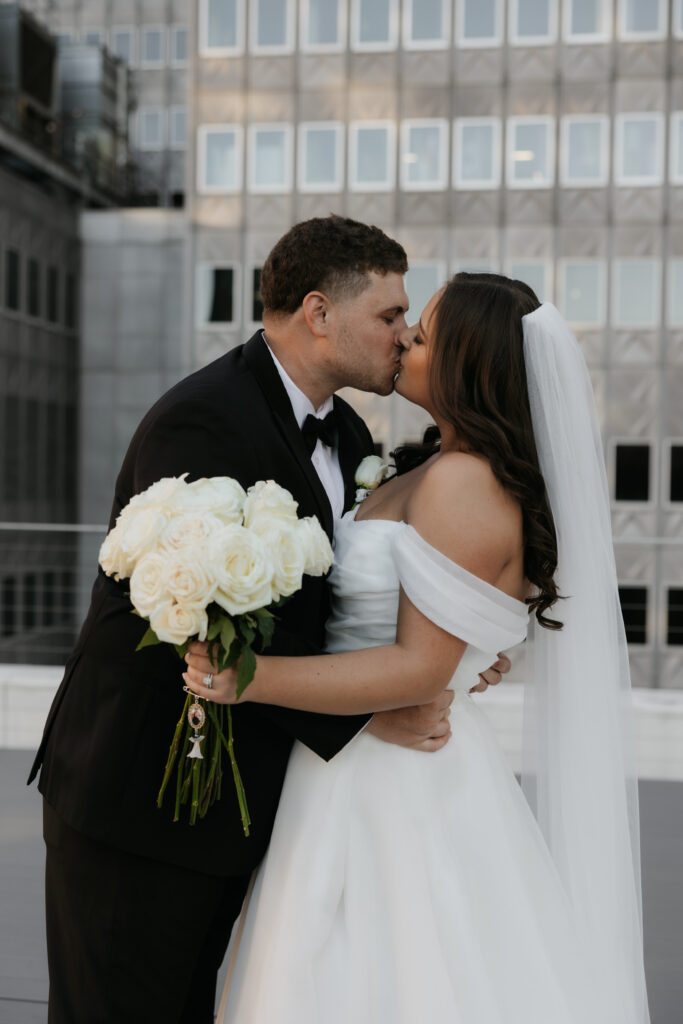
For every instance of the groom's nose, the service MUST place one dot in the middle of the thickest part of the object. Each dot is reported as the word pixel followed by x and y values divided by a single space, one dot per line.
pixel 405 338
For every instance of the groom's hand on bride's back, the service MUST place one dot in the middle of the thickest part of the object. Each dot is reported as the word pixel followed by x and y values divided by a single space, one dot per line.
pixel 427 727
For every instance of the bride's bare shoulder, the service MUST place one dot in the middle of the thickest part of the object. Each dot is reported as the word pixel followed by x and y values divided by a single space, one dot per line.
pixel 460 507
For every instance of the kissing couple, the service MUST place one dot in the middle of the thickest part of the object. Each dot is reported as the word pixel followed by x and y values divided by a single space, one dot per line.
pixel 398 872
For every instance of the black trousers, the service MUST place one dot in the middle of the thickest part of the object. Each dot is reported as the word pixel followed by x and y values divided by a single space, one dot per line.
pixel 129 939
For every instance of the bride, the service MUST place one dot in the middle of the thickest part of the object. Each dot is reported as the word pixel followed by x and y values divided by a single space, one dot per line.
pixel 401 889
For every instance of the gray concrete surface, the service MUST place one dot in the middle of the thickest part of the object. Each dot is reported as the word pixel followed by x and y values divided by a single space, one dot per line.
pixel 23 966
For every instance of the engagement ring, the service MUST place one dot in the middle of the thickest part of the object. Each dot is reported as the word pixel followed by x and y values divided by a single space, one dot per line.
pixel 208 681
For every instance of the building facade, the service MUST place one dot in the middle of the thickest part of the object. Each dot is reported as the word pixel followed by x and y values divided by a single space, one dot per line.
pixel 150 37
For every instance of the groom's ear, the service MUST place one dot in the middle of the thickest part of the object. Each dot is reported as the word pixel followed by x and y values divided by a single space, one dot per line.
pixel 316 309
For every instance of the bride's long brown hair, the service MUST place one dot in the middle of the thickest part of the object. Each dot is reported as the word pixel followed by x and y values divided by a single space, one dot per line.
pixel 478 384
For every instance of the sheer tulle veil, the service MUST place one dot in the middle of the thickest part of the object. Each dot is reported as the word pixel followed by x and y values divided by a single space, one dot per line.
pixel 579 770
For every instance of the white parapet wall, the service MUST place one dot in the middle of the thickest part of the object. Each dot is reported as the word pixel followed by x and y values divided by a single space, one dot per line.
pixel 26 692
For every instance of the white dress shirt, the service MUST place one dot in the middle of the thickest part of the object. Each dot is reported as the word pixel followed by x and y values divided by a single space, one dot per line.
pixel 325 460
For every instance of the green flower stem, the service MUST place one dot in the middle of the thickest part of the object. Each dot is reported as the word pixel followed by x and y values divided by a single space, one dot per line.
pixel 230 747
pixel 173 752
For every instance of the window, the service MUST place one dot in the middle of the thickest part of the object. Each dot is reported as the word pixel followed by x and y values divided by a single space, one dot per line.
pixel 421 281
pixel 642 19
pixel 33 298
pixel 221 27
pixel 29 601
pixel 633 602
pixel 270 158
pixel 178 45
pixel 219 154
pixel 150 128
pixel 632 472
pixel 533 273
pixel 674 616
pixel 676 157
pixel 426 24
pixel 64 38
pixel 123 44
pixel 639 149
pixel 678 19
pixel 582 284
pixel 586 21
pixel 216 294
pixel 176 116
pixel 476 153
pixel 255 300
pixel 323 25
pixel 8 606
pixel 153 46
pixel 424 155
pixel 70 301
pixel 479 23
pixel 585 151
pixel 635 293
pixel 321 156
pixel 12 279
pixel 52 294
pixel 374 24
pixel 675 303
pixel 531 152
pixel 673 451
pixel 533 22
pixel 93 37
pixel 474 266
pixel 372 157
pixel 271 26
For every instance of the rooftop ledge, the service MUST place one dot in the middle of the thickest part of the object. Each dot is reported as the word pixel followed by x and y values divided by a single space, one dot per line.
pixel 26 692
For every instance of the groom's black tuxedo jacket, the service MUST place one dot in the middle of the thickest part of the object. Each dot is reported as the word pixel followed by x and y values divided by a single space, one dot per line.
pixel 107 735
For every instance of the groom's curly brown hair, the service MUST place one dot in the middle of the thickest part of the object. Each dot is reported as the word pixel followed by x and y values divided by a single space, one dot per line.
pixel 333 255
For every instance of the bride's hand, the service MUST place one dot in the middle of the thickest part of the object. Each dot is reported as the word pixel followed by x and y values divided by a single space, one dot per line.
pixel 223 689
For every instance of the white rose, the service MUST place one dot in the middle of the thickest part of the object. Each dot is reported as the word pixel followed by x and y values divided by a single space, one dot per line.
pixel 189 529
pixel 176 623
pixel 113 558
pixel 242 569
pixel 141 532
pixel 288 557
pixel 266 502
pixel 316 547
pixel 189 577
pixel 157 494
pixel 148 590
pixel 371 472
pixel 221 495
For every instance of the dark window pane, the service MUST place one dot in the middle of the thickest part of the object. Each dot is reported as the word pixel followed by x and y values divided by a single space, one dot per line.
pixel 256 302
pixel 49 595
pixel 674 624
pixel 676 488
pixel 8 606
pixel 221 299
pixel 634 609
pixel 68 596
pixel 379 449
pixel 70 301
pixel 52 295
pixel 12 282
pixel 33 288
pixel 633 472
pixel 29 602
pixel 10 446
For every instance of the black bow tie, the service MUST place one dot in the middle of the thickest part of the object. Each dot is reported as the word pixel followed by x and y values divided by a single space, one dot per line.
pixel 315 430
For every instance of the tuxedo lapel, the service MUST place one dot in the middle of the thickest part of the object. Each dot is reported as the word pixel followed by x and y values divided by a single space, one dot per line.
pixel 260 363
pixel 351 452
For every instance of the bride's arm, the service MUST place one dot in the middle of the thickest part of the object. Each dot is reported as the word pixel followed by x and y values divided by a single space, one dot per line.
pixel 458 508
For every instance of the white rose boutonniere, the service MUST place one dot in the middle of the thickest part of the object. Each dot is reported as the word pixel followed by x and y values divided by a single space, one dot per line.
pixel 369 475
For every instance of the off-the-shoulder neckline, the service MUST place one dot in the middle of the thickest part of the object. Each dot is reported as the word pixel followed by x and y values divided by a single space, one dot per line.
pixel 519 607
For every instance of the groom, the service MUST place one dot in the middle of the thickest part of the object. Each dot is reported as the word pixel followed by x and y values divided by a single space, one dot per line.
pixel 135 931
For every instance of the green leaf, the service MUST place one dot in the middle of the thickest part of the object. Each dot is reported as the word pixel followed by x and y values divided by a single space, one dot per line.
pixel 182 649
pixel 245 670
pixel 214 628
pixel 266 627
pixel 247 631
pixel 149 639
pixel 227 633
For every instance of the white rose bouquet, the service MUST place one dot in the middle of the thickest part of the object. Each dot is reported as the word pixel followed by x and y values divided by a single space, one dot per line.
pixel 208 561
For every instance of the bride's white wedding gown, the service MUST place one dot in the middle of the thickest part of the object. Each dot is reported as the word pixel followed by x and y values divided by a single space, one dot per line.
pixel 403 887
